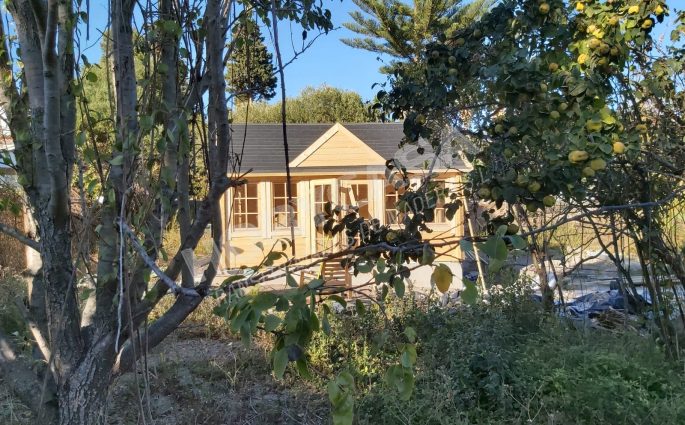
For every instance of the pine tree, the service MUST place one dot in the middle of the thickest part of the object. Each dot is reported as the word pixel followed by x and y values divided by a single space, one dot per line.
pixel 401 31
pixel 250 73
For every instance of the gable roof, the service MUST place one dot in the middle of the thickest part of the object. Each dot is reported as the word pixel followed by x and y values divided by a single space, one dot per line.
pixel 263 145
pixel 337 146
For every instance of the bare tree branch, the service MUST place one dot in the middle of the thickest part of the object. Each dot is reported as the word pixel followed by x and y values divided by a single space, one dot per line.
pixel 21 237
pixel 150 263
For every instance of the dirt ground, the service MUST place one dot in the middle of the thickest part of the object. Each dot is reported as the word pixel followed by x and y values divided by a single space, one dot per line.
pixel 195 380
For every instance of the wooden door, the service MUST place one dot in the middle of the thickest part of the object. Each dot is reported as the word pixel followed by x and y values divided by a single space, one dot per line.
pixel 321 192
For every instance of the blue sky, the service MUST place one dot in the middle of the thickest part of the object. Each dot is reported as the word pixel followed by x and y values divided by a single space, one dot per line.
pixel 328 61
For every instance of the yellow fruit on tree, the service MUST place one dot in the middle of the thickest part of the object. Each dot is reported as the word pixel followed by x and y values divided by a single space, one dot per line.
pixel 513 131
pixel 647 24
pixel 588 172
pixel 591 29
pixel 618 148
pixel 549 201
pixel 593 126
pixel 614 51
pixel 391 236
pixel 594 43
pixel 531 207
pixel 563 106
pixel 633 9
pixel 614 20
pixel 544 8
pixel 543 87
pixel 554 115
pixel 582 58
pixel 578 156
pixel 484 193
pixel 598 164
pixel 420 119
pixel 604 49
pixel 521 180
pixel 641 128
pixel 659 10
pixel 534 186
pixel 553 67
pixel 580 6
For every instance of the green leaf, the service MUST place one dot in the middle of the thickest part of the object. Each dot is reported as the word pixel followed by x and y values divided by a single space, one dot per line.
pixel 428 255
pixel 410 333
pixel 501 230
pixel 280 362
pixel 325 325
pixel 231 279
pixel 290 280
pixel 363 265
pixel 271 322
pixel 518 242
pixel 380 265
pixel 578 90
pixel 383 277
pixel 302 368
pixel 341 395
pixel 398 285
pixel 495 248
pixel 117 160
pixel 360 307
pixel 470 294
pixel 337 298
pixel 401 379
pixel 408 357
pixel 92 77
pixel 264 300
pixel 316 283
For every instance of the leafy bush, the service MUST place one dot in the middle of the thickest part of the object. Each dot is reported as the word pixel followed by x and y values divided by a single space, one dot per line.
pixel 502 364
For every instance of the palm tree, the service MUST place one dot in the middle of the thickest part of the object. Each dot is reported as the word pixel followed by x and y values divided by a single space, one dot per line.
pixel 402 31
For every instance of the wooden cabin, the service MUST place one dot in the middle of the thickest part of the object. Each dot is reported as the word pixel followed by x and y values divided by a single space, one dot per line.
pixel 14 256
pixel 340 163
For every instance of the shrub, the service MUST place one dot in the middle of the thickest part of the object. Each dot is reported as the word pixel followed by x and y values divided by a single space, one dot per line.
pixel 504 364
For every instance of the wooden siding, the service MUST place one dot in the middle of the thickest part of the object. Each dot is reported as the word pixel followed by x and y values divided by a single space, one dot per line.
pixel 340 149
pixel 241 244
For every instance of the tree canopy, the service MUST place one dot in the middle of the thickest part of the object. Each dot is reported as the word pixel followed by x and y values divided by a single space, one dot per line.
pixel 250 73
pixel 313 105
pixel 402 31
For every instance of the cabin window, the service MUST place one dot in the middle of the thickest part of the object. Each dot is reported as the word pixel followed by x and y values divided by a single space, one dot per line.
pixel 440 194
pixel 394 216
pixel 284 215
pixel 357 195
pixel 246 207
pixel 392 196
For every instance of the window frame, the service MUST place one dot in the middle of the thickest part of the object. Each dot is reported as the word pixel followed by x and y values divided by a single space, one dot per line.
pixel 248 231
pixel 271 207
pixel 448 183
